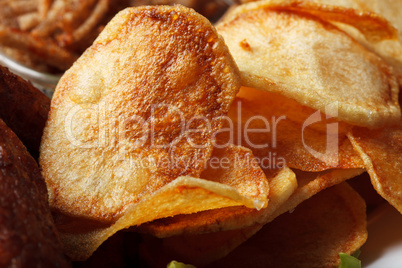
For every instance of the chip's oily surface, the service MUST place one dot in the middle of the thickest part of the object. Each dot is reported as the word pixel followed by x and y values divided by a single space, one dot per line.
pixel 307 59
pixel 131 128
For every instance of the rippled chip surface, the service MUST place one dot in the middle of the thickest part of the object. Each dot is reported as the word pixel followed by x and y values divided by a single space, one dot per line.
pixel 312 62
pixel 381 151
pixel 184 195
pixel 137 110
pixel 129 136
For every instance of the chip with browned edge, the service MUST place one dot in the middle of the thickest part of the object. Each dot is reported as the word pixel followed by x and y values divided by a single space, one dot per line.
pixel 130 132
pixel 299 55
pixel 381 151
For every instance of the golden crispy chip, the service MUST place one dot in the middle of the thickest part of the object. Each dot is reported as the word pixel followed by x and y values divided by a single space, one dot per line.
pixel 23 108
pixel 183 195
pixel 311 183
pixel 136 111
pixel 381 151
pixel 312 62
pixel 28 234
pixel 313 235
pixel 279 130
pixel 390 50
pixel 344 3
pixel 373 26
pixel 282 184
pixel 177 68
pixel 390 9
pixel 231 218
pixel 354 17
pixel 236 166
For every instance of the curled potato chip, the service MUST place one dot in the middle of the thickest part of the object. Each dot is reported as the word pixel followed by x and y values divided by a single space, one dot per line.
pixel 286 194
pixel 373 26
pixel 281 131
pixel 136 111
pixel 390 9
pixel 184 195
pixel 356 18
pixel 313 62
pixel 389 50
pixel 282 184
pixel 236 166
pixel 311 183
pixel 381 151
pixel 313 235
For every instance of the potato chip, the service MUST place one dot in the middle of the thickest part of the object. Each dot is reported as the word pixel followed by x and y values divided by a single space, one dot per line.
pixel 236 166
pixel 311 183
pixel 350 13
pixel 136 111
pixel 390 9
pixel 282 184
pixel 283 198
pixel 381 151
pixel 389 50
pixel 281 131
pixel 373 26
pixel 28 234
pixel 151 70
pixel 313 62
pixel 313 235
pixel 182 195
